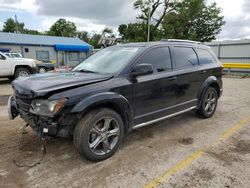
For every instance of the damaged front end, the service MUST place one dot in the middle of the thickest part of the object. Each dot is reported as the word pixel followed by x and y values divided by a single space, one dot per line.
pixel 42 115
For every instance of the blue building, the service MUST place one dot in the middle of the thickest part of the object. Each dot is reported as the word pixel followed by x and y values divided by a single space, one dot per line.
pixel 62 51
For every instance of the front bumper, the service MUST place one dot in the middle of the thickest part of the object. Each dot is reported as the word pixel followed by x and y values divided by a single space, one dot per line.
pixel 44 126
pixel 12 110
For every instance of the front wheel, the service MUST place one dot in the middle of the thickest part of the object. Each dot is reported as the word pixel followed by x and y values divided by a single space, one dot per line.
pixel 22 71
pixel 208 104
pixel 98 134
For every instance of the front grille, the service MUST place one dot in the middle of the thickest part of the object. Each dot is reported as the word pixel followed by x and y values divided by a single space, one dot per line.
pixel 23 104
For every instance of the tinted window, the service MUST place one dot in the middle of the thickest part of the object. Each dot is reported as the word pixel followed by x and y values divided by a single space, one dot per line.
pixel 205 57
pixel 159 58
pixel 2 57
pixel 185 57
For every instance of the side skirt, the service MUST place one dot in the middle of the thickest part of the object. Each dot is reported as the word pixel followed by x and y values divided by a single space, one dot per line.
pixel 163 118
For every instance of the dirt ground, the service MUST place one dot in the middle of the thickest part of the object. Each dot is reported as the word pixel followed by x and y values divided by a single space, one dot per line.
pixel 143 156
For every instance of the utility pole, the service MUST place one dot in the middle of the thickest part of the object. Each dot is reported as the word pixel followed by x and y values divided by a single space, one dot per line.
pixel 149 12
pixel 16 24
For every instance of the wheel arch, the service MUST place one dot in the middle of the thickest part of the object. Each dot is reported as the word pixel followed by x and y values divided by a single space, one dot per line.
pixel 211 81
pixel 110 100
pixel 22 66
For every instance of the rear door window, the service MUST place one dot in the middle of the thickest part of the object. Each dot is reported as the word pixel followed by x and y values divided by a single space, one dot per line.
pixel 185 57
pixel 159 58
pixel 205 57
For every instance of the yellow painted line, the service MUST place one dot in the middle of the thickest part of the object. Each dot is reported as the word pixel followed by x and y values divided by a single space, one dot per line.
pixel 197 154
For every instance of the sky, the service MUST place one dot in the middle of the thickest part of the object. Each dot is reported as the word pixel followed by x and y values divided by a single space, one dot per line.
pixel 95 15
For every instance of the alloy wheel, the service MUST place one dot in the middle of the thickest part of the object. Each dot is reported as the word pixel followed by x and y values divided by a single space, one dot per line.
pixel 23 73
pixel 210 102
pixel 104 136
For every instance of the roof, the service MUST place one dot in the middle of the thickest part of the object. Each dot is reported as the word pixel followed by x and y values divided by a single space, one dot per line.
pixel 26 39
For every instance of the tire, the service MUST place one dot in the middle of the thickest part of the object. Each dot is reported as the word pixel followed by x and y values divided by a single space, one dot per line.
pixel 208 104
pixel 94 140
pixel 42 70
pixel 11 78
pixel 22 71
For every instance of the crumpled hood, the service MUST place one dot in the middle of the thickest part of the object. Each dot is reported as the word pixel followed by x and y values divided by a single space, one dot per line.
pixel 41 84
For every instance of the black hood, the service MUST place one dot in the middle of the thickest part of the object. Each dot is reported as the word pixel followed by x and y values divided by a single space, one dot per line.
pixel 42 84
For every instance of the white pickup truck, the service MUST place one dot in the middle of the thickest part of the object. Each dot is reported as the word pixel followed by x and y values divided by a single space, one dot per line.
pixel 14 67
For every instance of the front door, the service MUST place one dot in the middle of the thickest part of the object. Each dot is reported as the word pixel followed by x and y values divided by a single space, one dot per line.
pixel 5 66
pixel 61 59
pixel 154 94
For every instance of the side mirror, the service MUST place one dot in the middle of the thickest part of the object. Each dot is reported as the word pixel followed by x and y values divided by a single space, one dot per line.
pixel 142 69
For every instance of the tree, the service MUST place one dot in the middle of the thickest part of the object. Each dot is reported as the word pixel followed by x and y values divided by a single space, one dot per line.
pixel 95 40
pixel 153 11
pixel 194 20
pixel 31 32
pixel 11 26
pixel 133 32
pixel 83 35
pixel 64 28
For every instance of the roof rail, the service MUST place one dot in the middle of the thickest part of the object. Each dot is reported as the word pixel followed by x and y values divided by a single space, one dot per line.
pixel 180 40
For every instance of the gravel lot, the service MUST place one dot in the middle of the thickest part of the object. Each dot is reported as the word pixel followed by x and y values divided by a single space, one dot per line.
pixel 145 155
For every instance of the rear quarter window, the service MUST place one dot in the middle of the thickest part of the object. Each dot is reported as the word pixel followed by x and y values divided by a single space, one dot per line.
pixel 205 57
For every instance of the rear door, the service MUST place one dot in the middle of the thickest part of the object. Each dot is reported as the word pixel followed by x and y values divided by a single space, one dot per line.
pixel 189 76
pixel 5 66
pixel 154 94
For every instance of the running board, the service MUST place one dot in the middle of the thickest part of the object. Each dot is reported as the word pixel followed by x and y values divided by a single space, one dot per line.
pixel 163 118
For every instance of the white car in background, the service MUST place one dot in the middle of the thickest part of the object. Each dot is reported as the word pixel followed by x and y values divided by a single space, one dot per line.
pixel 14 67
pixel 41 66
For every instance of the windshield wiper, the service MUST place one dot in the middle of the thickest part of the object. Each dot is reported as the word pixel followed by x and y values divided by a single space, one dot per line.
pixel 87 71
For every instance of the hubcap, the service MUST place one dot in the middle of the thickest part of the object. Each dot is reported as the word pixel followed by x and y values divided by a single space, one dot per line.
pixel 23 73
pixel 210 102
pixel 42 70
pixel 104 135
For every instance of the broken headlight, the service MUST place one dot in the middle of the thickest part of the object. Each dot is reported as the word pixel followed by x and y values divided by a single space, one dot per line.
pixel 47 107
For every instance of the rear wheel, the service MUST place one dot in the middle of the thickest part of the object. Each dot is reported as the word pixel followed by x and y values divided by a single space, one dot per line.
pixel 22 71
pixel 208 103
pixel 98 134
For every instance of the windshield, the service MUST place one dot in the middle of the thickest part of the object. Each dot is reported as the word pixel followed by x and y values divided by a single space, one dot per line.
pixel 16 55
pixel 108 61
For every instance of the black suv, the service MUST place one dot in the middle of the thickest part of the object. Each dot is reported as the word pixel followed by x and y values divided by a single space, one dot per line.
pixel 119 89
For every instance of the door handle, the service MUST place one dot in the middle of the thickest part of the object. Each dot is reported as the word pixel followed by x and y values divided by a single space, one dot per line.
pixel 203 72
pixel 172 78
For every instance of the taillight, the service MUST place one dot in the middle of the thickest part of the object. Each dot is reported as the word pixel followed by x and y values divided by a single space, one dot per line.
pixel 221 68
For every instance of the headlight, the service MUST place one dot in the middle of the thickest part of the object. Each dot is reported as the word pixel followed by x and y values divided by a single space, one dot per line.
pixel 47 107
pixel 33 64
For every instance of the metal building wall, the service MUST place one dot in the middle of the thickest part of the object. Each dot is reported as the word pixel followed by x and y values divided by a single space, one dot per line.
pixel 232 51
